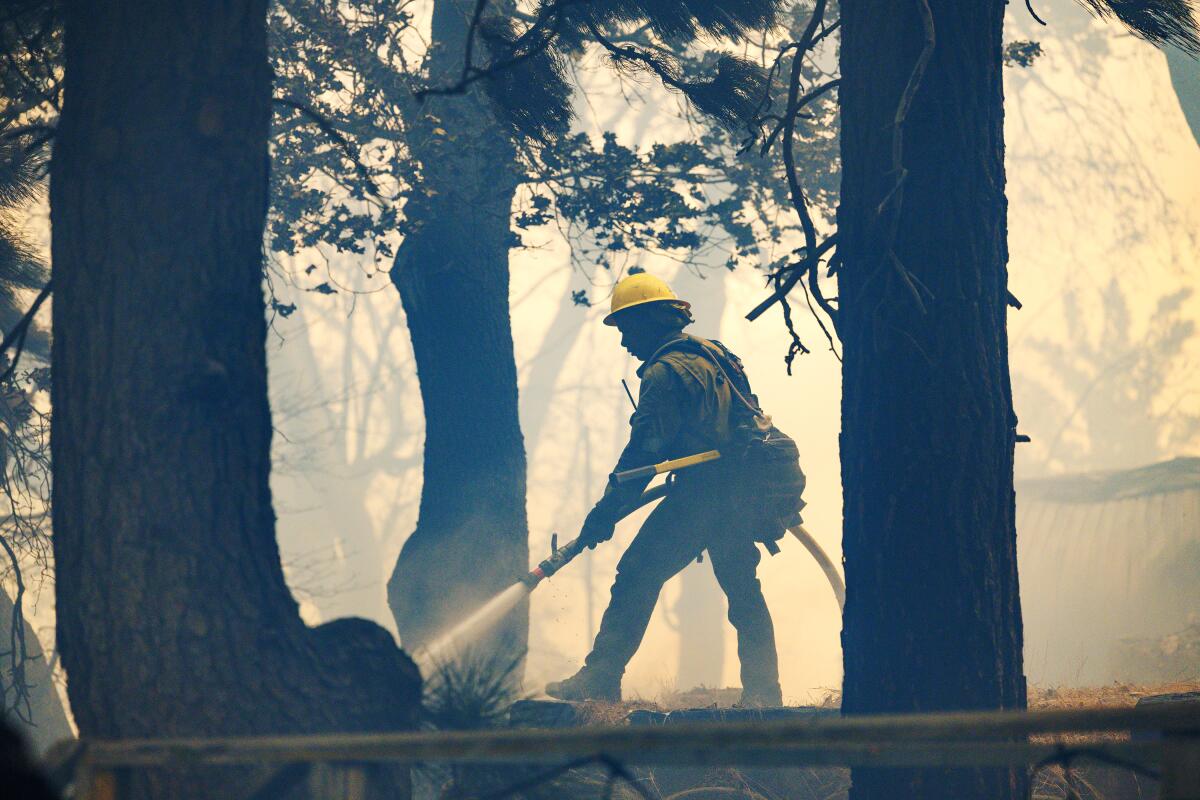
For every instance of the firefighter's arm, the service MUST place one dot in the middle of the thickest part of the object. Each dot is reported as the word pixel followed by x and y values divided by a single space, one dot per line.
pixel 652 427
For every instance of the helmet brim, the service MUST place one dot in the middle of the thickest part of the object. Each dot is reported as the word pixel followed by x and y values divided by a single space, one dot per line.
pixel 611 319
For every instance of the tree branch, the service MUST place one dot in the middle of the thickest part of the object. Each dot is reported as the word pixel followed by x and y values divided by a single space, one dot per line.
pixel 546 25
pixel 327 127
pixel 795 272
pixel 20 331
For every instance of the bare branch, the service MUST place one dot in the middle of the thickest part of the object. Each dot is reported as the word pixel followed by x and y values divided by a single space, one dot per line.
pixel 20 331
pixel 812 251
pixel 795 273
pixel 1032 13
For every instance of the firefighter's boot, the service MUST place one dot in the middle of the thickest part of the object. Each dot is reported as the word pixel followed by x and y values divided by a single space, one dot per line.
pixel 587 684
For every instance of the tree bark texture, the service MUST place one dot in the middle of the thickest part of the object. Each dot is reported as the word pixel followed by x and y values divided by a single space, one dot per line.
pixel 471 539
pixel 932 618
pixel 173 615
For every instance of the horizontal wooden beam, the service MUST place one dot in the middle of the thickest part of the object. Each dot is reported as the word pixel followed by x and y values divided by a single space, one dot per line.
pixel 941 739
pixel 1145 755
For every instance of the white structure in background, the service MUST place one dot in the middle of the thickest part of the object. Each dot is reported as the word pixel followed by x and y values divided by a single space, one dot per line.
pixel 1110 575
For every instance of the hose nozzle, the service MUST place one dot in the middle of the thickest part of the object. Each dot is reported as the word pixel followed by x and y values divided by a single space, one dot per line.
pixel 559 558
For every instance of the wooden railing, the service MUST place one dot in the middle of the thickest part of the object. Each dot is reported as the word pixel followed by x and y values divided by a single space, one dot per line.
pixel 1163 741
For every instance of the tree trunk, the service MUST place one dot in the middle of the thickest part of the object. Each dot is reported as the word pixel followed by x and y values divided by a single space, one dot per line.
pixel 471 539
pixel 932 618
pixel 173 615
pixel 1185 80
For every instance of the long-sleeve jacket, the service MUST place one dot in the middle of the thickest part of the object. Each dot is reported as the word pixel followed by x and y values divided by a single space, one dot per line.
pixel 684 405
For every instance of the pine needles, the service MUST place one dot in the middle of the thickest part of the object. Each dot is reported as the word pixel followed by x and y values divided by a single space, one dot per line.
pixel 532 90
pixel 1157 21
pixel 526 72
pixel 20 268
pixel 684 21
pixel 733 96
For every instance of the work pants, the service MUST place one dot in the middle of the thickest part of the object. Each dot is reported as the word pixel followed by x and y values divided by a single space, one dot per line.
pixel 690 520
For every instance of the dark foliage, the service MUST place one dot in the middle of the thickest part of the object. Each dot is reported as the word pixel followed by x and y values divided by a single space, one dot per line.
pixel 533 93
pixel 31 42
pixel 21 171
pixel 1157 21
pixel 30 88
pixel 681 21
pixel 732 96
pixel 1022 53
pixel 610 200
pixel 31 70
pixel 472 692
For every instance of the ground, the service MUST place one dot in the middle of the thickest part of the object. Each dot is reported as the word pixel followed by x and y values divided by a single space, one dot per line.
pixel 1049 783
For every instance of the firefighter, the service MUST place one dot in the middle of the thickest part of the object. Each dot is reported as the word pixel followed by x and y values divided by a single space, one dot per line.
pixel 694 396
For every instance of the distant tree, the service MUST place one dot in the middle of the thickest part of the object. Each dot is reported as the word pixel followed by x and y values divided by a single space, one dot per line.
pixel 1185 79
pixel 173 615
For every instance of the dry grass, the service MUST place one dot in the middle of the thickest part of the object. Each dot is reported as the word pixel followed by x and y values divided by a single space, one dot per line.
pixel 1115 695
pixel 1085 782
pixel 1118 695
pixel 598 713
pixel 1094 783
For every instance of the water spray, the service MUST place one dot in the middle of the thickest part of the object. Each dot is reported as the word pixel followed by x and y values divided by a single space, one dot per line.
pixel 443 648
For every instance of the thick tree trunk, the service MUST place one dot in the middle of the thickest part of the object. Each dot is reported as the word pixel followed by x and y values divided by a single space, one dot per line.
pixel 471 539
pixel 932 618
pixel 173 615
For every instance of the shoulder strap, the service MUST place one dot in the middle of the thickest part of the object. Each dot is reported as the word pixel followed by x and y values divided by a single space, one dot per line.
pixel 722 354
pixel 754 409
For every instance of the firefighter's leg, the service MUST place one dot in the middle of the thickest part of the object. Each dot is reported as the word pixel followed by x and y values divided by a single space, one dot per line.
pixel 735 562
pixel 665 545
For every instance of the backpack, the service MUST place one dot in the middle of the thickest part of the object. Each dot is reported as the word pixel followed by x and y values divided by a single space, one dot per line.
pixel 764 460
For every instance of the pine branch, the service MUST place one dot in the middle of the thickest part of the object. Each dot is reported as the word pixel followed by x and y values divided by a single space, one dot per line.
pixel 1159 22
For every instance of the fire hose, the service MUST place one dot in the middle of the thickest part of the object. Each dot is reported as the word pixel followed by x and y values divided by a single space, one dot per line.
pixel 561 556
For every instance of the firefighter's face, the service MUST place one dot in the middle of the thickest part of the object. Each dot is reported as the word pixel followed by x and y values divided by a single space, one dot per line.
pixel 640 334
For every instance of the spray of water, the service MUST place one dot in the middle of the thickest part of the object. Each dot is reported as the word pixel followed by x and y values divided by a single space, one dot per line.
pixel 446 647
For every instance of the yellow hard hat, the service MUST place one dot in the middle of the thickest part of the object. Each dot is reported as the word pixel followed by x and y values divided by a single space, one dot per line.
pixel 634 290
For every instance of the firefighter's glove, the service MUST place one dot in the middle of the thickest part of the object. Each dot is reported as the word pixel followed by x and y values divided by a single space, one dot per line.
pixel 597 528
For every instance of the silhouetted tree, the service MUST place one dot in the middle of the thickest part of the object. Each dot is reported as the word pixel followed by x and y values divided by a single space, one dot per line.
pixel 932 617
pixel 173 616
